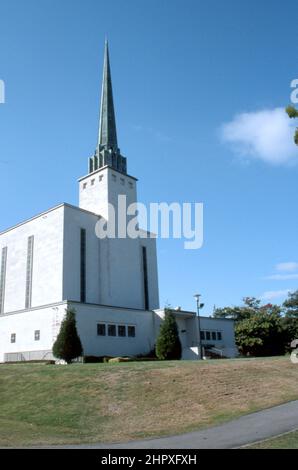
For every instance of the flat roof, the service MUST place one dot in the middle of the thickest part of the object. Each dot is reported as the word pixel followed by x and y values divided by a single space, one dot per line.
pixel 191 313
pixel 63 204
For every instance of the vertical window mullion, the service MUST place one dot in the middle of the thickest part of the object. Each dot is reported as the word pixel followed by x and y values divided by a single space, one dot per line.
pixel 83 265
pixel 145 274
pixel 3 278
pixel 29 269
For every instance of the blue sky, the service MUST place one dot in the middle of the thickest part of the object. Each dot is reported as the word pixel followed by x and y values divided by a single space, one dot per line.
pixel 198 87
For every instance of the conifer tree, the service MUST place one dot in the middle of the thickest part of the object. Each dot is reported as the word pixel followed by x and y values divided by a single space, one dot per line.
pixel 168 345
pixel 68 344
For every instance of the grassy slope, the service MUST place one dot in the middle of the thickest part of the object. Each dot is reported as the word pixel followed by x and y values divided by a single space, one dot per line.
pixel 287 441
pixel 46 404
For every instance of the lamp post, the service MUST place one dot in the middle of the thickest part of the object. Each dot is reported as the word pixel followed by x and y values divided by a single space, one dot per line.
pixel 197 297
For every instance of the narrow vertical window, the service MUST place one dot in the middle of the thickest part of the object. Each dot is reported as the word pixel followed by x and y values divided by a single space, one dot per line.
pixel 83 265
pixel 145 274
pixel 2 278
pixel 29 269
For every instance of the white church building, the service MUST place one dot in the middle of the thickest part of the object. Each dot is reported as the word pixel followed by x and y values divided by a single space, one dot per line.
pixel 55 261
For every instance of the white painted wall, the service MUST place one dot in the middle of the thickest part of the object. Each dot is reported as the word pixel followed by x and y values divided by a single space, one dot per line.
pixel 47 229
pixel 48 320
pixel 188 332
pixel 120 259
pixel 24 324
pixel 74 220
pixel 227 329
pixel 89 315
pixel 147 323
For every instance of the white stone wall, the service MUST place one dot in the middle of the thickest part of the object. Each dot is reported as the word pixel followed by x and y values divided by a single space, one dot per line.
pixel 23 324
pixel 227 328
pixel 74 220
pixel 48 320
pixel 47 230
pixel 102 187
pixel 120 259
pixel 88 316
pixel 188 332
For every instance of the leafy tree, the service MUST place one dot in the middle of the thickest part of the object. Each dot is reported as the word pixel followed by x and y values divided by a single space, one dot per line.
pixel 259 329
pixel 168 345
pixel 290 321
pixel 291 305
pixel 68 344
pixel 262 334
pixel 293 113
pixel 250 305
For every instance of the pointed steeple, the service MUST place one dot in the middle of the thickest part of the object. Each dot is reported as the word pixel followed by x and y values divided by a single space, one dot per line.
pixel 107 125
pixel 107 152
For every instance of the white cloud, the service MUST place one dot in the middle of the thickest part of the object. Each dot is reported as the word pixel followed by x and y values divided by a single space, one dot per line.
pixel 290 266
pixel 266 135
pixel 282 277
pixel 274 294
pixel 285 272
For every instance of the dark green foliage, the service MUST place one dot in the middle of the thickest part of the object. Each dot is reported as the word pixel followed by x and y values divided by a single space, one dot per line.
pixel 293 113
pixel 68 344
pixel 290 309
pixel 168 344
pixel 262 334
pixel 290 305
pixel 263 330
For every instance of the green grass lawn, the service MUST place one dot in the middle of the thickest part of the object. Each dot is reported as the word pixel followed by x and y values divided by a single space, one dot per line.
pixel 48 404
pixel 286 441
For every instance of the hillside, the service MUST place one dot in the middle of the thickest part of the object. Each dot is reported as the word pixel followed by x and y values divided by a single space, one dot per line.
pixel 47 404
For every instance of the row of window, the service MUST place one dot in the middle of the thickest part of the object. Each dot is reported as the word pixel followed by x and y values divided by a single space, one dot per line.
pixel 211 335
pixel 13 336
pixel 104 329
pixel 114 178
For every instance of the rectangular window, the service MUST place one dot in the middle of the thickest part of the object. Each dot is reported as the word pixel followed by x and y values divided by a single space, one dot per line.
pixel 208 335
pixel 145 280
pixel 122 181
pixel 2 278
pixel 112 330
pixel 213 335
pixel 219 336
pixel 83 265
pixel 29 269
pixel 114 177
pixel 131 331
pixel 101 329
pixel 84 185
pixel 202 335
pixel 13 338
pixel 121 330
pixel 37 335
pixel 92 182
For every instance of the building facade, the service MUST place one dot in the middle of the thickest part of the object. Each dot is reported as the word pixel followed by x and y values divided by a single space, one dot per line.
pixel 56 260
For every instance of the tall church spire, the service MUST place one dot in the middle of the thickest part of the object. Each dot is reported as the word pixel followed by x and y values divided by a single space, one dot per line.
pixel 107 152
pixel 107 125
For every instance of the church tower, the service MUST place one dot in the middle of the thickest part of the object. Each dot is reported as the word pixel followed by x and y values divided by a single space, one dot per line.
pixel 107 170
pixel 127 266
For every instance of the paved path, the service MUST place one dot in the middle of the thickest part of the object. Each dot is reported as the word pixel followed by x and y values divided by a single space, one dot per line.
pixel 247 429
